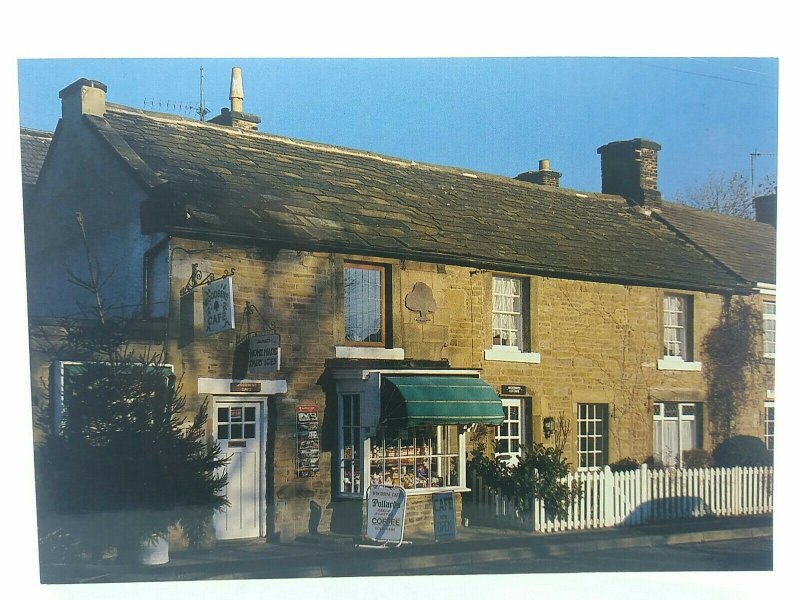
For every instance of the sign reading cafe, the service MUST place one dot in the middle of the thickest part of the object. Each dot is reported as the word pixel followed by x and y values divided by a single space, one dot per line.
pixel 218 306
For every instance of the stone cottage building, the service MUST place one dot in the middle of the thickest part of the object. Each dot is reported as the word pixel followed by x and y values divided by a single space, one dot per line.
pixel 384 313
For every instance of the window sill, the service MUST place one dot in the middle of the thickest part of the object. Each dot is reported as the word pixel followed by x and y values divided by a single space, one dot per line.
pixel 368 352
pixel 678 364
pixel 512 355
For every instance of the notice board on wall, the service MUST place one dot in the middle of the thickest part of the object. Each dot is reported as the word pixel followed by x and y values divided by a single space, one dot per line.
pixel 307 420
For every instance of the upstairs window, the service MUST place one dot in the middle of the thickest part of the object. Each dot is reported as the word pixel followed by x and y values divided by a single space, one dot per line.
pixel 769 328
pixel 365 305
pixel 507 313
pixel 677 327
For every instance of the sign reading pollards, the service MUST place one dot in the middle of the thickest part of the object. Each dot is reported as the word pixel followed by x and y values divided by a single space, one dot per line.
pixel 218 306
pixel 264 353
pixel 444 516
pixel 386 513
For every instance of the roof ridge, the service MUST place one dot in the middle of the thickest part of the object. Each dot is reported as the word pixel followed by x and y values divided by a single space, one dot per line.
pixel 714 213
pixel 35 132
pixel 346 151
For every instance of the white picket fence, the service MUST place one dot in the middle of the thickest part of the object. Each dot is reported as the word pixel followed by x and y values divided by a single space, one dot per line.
pixel 635 497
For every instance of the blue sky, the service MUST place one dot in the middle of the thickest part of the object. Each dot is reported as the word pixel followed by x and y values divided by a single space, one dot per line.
pixel 489 114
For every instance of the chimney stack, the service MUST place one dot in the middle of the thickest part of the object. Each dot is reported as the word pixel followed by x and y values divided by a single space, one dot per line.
pixel 544 176
pixel 630 169
pixel 83 97
pixel 235 116
pixel 767 209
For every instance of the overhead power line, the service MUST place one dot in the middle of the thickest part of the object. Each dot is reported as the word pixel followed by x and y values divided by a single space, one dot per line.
pixel 706 75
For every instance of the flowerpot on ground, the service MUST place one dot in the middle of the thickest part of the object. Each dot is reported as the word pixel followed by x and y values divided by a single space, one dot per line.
pixel 154 550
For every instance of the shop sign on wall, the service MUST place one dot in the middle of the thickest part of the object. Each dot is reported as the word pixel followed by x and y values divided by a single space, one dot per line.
pixel 218 306
pixel 386 513
pixel 307 440
pixel 444 516
pixel 264 353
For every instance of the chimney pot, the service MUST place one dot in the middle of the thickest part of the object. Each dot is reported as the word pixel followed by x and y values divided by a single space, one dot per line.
pixel 235 117
pixel 236 95
pixel 544 176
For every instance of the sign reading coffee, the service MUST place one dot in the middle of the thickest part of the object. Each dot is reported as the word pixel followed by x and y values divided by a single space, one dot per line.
pixel 386 513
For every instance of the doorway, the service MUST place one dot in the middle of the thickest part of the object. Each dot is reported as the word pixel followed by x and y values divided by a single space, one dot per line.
pixel 239 429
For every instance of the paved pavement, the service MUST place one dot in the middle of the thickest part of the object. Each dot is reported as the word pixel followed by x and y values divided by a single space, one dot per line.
pixel 476 550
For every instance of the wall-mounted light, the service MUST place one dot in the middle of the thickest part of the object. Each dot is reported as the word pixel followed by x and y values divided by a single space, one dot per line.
pixel 549 426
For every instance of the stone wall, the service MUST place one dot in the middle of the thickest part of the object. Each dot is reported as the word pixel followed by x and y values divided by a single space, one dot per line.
pixel 598 343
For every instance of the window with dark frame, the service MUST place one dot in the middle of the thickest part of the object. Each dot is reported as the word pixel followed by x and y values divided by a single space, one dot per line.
pixel 769 425
pixel 592 436
pixel 350 444
pixel 365 305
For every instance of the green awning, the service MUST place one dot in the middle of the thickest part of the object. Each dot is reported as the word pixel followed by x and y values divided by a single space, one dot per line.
pixel 438 400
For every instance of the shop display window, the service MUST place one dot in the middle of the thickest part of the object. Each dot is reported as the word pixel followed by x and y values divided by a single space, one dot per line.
pixel 416 458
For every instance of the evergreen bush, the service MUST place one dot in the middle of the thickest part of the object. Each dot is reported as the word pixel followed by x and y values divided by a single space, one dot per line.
pixel 742 451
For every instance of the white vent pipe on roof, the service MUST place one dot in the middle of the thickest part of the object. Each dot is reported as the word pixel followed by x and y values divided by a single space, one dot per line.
pixel 237 90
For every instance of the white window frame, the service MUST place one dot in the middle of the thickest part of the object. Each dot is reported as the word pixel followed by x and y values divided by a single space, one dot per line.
pixel 687 412
pixel 596 416
pixel 511 352
pixel 770 328
pixel 677 351
pixel 769 419
pixel 391 458
pixel 511 457
pixel 367 384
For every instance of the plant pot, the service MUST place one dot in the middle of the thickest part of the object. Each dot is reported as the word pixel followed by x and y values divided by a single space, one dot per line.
pixel 154 551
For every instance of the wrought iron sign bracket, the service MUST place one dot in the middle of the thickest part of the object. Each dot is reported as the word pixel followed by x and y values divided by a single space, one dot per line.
pixel 199 278
pixel 249 309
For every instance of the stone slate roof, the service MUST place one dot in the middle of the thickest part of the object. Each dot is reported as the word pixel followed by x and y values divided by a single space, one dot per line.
pixel 34 146
pixel 746 247
pixel 208 180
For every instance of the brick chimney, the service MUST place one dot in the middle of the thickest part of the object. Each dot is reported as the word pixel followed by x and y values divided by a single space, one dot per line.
pixel 83 97
pixel 544 176
pixel 235 117
pixel 630 169
pixel 766 209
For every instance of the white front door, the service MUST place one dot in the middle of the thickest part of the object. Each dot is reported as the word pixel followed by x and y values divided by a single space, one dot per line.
pixel 238 428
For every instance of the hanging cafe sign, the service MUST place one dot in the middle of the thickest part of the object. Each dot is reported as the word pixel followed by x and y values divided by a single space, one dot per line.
pixel 217 299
